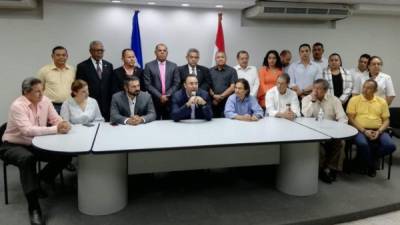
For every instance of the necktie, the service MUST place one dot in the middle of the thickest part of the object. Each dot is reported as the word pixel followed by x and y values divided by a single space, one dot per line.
pixel 161 66
pixel 194 70
pixel 98 69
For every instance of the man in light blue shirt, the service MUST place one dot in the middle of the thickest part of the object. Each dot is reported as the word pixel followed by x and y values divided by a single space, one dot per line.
pixel 241 105
pixel 304 72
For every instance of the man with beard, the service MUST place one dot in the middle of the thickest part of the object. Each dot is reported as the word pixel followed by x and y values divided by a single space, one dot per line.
pixel 132 106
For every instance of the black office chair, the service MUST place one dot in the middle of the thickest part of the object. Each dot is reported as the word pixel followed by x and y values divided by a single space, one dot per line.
pixel 349 157
pixel 2 130
pixel 395 121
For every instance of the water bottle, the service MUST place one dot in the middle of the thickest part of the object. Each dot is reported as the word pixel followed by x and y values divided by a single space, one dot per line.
pixel 320 115
pixel 288 108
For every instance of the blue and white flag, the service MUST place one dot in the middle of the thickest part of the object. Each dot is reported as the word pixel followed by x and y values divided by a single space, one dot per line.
pixel 136 44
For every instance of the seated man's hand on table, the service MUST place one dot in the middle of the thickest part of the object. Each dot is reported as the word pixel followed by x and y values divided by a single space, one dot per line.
pixel 63 127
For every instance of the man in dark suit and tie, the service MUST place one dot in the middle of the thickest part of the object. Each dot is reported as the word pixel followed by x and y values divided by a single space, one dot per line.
pixel 97 72
pixel 162 80
pixel 128 69
pixel 191 102
pixel 192 67
pixel 132 106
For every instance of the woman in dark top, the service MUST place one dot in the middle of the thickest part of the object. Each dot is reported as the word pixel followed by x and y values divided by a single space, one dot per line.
pixel 339 79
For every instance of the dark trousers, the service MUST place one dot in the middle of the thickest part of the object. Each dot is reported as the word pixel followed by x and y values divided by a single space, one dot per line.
pixel 25 158
pixel 218 110
pixel 57 107
pixel 332 154
pixel 162 111
pixel 368 151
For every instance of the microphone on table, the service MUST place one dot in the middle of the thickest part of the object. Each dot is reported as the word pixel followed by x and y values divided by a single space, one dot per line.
pixel 193 94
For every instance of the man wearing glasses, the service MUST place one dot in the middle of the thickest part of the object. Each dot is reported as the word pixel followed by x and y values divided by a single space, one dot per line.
pixel 97 72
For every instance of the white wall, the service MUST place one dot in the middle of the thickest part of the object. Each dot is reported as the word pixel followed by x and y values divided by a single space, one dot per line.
pixel 25 43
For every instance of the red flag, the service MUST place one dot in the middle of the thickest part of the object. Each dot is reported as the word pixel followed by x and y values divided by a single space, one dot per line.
pixel 219 44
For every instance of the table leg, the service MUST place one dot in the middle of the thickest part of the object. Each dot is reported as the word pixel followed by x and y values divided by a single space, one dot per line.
pixel 298 169
pixel 102 183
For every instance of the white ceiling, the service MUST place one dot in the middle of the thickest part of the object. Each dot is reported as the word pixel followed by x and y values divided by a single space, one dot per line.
pixel 232 4
pixel 228 4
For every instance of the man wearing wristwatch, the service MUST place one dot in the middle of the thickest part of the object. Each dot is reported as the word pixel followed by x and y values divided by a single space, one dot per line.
pixel 191 102
pixel 370 115
pixel 331 159
pixel 223 78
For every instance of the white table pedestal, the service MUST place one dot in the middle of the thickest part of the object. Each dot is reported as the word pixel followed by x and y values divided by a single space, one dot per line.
pixel 102 183
pixel 298 169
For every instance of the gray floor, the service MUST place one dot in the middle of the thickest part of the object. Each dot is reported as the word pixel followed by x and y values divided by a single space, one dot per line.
pixel 229 196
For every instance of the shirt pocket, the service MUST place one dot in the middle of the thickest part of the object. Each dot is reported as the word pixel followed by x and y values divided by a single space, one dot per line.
pixel 53 78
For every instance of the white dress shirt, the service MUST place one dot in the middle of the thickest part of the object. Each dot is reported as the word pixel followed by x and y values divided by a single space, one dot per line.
pixel 322 63
pixel 131 103
pixel 356 74
pixel 192 70
pixel 276 102
pixel 250 73
pixel 385 85
pixel 95 64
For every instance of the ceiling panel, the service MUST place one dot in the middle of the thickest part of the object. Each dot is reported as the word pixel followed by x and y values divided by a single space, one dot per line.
pixel 380 2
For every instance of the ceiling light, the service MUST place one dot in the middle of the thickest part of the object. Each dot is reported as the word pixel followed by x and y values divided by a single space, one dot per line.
pixel 219 6
pixel 185 4
pixel 151 3
pixel 115 1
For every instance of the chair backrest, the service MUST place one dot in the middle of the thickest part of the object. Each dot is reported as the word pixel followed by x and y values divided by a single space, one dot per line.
pixel 395 117
pixel 2 130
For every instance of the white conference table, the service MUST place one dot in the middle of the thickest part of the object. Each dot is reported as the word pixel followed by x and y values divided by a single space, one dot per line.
pixel 328 127
pixel 162 146
pixel 78 140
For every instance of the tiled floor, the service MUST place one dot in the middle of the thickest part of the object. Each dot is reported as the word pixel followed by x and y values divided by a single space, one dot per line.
pixel 240 196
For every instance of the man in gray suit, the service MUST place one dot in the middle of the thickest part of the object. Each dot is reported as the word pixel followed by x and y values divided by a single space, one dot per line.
pixel 161 78
pixel 132 106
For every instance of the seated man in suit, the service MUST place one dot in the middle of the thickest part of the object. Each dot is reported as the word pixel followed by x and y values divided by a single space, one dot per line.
pixel 132 106
pixel 128 69
pixel 162 80
pixel 191 102
pixel 192 67
pixel 29 116
pixel 97 73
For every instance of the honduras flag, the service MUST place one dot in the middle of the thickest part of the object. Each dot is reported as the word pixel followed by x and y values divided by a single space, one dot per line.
pixel 136 44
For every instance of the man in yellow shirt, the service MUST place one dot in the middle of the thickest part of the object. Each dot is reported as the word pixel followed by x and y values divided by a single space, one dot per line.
pixel 57 77
pixel 370 115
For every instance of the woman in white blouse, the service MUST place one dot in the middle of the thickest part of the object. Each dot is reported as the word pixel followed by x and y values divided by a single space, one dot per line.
pixel 80 109
pixel 385 83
